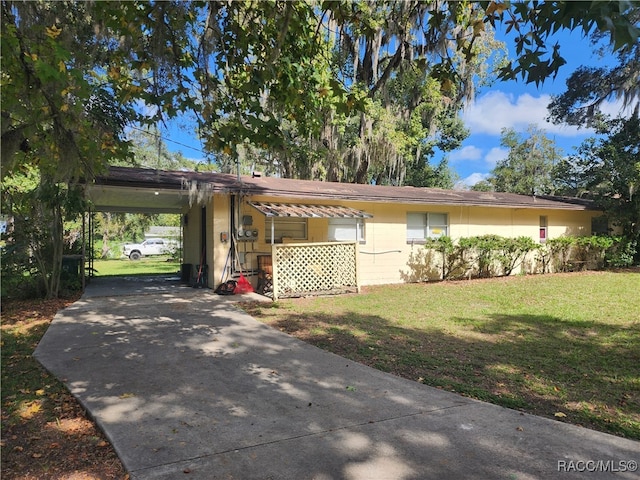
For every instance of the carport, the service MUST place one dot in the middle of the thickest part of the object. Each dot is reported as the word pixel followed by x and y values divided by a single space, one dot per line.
pixel 213 227
pixel 196 196
pixel 148 193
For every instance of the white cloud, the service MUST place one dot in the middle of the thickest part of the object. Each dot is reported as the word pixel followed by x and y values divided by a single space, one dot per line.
pixel 465 154
pixel 496 110
pixel 471 180
pixel 495 155
pixel 616 108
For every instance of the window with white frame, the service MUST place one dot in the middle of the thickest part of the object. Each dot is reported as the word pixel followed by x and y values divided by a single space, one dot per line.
pixel 293 228
pixel 346 230
pixel 421 225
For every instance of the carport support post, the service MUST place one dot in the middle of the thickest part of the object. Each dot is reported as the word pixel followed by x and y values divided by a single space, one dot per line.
pixel 84 248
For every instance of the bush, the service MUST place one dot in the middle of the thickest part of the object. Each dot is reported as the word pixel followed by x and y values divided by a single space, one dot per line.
pixel 560 252
pixel 481 256
pixel 512 252
pixel 447 250
pixel 19 279
pixel 484 248
pixel 591 251
pixel 493 255
pixel 622 253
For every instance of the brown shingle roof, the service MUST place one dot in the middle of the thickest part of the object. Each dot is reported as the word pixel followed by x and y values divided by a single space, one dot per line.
pixel 307 189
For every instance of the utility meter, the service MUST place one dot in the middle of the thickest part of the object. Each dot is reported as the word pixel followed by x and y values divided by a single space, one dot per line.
pixel 247 235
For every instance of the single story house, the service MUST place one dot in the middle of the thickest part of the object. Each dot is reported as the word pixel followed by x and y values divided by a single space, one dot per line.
pixel 300 236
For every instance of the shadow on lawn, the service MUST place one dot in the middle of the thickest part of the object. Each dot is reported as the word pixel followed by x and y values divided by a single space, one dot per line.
pixel 536 363
pixel 186 383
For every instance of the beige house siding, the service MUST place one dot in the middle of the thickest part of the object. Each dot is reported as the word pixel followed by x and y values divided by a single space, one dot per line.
pixel 384 253
pixel 570 223
pixel 217 221
pixel 384 256
pixel 191 236
pixel 220 249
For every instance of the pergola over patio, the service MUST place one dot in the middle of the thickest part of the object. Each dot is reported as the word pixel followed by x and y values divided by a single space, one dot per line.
pixel 306 268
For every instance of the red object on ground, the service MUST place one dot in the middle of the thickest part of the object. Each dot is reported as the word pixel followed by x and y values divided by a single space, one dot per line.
pixel 244 286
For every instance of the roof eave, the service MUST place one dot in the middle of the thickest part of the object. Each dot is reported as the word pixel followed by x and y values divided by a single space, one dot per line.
pixel 219 183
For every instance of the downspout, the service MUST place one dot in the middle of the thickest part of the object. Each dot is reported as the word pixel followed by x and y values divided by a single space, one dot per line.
pixel 235 214
pixel 232 236
pixel 273 232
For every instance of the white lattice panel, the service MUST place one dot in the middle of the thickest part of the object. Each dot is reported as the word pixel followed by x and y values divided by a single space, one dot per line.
pixel 305 268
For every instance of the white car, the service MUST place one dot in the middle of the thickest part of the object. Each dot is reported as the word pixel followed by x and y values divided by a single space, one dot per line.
pixel 151 246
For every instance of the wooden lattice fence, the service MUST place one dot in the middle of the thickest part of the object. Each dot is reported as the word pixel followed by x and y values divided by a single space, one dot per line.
pixel 314 268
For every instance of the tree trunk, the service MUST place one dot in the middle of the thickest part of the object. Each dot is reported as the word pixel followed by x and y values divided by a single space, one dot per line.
pixel 47 242
pixel 57 241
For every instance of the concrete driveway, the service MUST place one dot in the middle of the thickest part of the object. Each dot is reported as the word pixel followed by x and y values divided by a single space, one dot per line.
pixel 187 386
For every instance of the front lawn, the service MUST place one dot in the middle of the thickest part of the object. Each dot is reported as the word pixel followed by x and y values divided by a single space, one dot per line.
pixel 563 346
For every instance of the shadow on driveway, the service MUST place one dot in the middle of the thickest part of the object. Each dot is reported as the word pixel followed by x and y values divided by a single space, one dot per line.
pixel 186 385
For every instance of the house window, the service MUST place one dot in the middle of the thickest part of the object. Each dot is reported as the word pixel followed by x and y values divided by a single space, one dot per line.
pixel 543 229
pixel 599 225
pixel 293 228
pixel 421 226
pixel 346 230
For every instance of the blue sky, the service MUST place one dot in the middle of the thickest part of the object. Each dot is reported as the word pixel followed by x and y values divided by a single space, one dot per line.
pixel 512 104
pixel 516 105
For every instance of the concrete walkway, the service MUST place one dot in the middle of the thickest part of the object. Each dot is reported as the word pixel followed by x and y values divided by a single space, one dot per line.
pixel 187 386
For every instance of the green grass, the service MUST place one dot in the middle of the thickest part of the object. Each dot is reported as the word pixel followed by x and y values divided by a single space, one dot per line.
pixel 144 266
pixel 562 346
